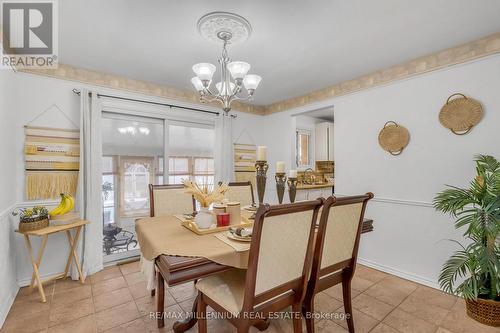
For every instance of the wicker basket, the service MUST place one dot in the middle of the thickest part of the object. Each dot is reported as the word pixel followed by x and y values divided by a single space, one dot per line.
pixel 393 138
pixel 484 311
pixel 33 225
pixel 460 114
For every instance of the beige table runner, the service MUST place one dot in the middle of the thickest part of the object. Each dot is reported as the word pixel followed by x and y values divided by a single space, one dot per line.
pixel 166 235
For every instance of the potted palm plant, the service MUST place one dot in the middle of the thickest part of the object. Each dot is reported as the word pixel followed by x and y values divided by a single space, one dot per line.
pixel 473 272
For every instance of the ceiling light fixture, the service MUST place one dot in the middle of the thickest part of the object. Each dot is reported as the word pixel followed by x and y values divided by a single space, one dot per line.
pixel 227 28
pixel 132 130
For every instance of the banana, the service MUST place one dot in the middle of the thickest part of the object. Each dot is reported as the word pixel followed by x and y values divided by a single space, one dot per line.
pixel 71 203
pixel 67 205
pixel 59 208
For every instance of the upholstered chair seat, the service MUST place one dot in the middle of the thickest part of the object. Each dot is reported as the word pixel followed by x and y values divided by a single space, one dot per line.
pixel 226 289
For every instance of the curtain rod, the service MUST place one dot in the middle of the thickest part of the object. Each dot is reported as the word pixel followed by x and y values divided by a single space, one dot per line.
pixel 78 92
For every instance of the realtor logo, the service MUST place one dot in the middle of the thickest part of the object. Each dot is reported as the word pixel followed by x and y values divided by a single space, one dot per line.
pixel 29 34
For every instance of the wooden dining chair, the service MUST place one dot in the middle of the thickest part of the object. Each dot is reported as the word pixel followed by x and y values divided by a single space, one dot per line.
pixel 170 200
pixel 335 252
pixel 278 267
pixel 166 200
pixel 241 192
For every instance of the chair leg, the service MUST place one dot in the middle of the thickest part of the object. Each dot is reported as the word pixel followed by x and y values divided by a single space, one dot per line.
pixel 202 314
pixel 308 312
pixel 243 328
pixel 262 325
pixel 297 318
pixel 160 300
pixel 346 294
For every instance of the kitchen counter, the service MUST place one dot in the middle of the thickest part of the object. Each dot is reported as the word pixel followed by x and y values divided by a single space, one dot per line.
pixel 313 186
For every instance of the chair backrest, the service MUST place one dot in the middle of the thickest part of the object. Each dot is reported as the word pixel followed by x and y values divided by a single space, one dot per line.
pixel 241 192
pixel 338 234
pixel 170 200
pixel 281 251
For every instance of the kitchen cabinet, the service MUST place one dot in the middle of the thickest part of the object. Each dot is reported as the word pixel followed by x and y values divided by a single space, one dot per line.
pixel 324 142
pixel 313 193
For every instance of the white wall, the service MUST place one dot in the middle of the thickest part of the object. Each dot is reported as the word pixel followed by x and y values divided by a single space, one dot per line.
pixel 8 283
pixel 410 237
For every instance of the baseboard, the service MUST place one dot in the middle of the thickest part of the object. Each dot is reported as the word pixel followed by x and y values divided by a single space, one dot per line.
pixel 6 304
pixel 399 273
pixel 26 281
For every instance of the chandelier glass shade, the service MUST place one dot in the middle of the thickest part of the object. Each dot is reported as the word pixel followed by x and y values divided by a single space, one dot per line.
pixel 235 83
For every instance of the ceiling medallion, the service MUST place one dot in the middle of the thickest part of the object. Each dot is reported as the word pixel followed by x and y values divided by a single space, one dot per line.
pixel 215 25
pixel 225 28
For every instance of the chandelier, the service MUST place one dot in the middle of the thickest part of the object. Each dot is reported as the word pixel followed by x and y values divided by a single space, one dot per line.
pixel 227 28
pixel 134 130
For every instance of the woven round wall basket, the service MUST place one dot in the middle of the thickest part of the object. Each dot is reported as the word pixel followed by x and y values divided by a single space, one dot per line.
pixel 460 114
pixel 485 311
pixel 393 138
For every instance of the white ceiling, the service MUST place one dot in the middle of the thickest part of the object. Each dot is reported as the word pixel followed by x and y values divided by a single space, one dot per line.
pixel 297 46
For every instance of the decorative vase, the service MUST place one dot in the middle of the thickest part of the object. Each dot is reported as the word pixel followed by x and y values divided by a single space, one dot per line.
pixel 203 219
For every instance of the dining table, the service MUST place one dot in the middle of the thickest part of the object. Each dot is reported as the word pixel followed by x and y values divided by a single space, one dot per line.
pixel 181 255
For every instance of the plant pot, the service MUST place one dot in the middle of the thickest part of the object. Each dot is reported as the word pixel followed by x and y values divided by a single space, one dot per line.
pixel 204 218
pixel 30 225
pixel 485 311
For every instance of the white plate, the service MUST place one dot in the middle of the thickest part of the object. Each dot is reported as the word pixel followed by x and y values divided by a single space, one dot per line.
pixel 238 238
pixel 250 208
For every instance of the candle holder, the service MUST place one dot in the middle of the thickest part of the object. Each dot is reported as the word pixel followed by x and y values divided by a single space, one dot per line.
pixel 280 178
pixel 292 189
pixel 261 168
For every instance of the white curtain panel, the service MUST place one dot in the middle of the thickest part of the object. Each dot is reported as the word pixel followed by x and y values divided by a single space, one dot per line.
pixel 223 154
pixel 89 182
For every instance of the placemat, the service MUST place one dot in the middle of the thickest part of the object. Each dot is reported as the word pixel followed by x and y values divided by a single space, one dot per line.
pixel 238 246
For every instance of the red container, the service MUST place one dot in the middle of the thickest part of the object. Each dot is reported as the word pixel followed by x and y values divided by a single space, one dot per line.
pixel 223 219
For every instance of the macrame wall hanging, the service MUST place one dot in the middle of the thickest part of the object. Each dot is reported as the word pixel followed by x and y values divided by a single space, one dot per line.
pixel 244 162
pixel 52 160
pixel 245 155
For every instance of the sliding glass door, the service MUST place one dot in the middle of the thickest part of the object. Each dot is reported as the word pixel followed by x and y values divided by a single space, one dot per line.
pixel 133 157
pixel 190 152
pixel 133 149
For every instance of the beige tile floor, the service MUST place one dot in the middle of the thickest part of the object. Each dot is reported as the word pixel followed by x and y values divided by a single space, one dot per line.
pixel 116 300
